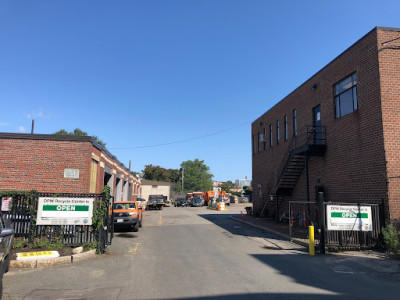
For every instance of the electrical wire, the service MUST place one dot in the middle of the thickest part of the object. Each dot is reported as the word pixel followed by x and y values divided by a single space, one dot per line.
pixel 182 141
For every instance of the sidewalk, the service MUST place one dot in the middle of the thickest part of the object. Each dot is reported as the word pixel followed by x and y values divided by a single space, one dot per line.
pixel 375 260
pixel 279 229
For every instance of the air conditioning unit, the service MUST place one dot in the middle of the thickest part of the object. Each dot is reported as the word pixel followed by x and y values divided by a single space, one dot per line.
pixel 262 137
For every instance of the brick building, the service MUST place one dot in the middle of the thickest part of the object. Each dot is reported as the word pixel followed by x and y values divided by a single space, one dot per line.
pixel 62 164
pixel 338 132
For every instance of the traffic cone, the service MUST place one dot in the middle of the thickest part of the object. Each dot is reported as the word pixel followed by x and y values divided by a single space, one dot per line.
pixel 242 216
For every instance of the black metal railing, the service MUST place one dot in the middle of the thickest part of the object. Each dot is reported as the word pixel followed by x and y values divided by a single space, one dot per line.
pixel 355 239
pixel 267 192
pixel 309 135
pixel 22 218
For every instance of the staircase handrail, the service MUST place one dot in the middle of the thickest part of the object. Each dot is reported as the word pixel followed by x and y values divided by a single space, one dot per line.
pixel 305 138
pixel 268 189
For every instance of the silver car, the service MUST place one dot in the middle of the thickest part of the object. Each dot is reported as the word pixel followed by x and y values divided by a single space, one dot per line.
pixel 6 240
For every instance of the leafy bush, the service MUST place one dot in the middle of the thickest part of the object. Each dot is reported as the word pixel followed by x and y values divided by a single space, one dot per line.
pixel 20 243
pixel 391 237
pixel 90 246
pixel 54 244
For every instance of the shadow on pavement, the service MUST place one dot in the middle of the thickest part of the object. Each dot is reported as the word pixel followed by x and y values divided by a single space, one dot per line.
pixel 236 228
pixel 266 296
pixel 124 233
pixel 334 276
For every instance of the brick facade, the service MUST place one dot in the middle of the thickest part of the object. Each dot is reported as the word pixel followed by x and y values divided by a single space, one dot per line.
pixel 37 162
pixel 353 168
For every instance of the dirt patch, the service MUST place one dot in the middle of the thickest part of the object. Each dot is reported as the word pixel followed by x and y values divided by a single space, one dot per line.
pixel 63 252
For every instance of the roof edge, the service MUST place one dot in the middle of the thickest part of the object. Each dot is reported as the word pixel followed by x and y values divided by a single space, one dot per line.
pixel 376 28
pixel 65 138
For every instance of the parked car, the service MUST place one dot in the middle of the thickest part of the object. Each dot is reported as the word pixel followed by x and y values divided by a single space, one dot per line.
pixel 181 202
pixel 6 240
pixel 167 203
pixel 197 201
pixel 127 215
pixel 243 199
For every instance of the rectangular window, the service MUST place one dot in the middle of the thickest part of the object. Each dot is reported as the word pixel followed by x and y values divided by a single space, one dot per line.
pixel 277 132
pixel 259 142
pixel 270 136
pixel 265 138
pixel 254 144
pixel 294 123
pixel 346 96
pixel 286 133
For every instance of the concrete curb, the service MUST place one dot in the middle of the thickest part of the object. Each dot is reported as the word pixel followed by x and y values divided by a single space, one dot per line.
pixel 51 262
pixel 271 231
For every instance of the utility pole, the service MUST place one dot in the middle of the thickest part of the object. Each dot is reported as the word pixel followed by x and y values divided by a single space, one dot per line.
pixel 183 171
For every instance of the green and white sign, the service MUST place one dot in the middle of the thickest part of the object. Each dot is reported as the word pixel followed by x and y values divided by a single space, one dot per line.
pixel 65 211
pixel 344 217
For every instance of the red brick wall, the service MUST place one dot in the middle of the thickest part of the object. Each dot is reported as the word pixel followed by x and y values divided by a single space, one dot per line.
pixel 353 167
pixel 39 164
pixel 389 67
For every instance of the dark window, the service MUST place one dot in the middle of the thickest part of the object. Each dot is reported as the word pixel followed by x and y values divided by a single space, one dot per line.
pixel 346 96
pixel 259 142
pixel 286 132
pixel 265 138
pixel 270 136
pixel 277 132
pixel 254 144
pixel 294 123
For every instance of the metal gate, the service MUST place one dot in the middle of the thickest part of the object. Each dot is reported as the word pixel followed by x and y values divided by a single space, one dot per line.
pixel 347 239
pixel 303 214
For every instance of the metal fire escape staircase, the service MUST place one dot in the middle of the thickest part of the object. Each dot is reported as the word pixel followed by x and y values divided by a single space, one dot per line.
pixel 311 143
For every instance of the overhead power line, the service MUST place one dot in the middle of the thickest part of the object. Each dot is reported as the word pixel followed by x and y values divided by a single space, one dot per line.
pixel 182 141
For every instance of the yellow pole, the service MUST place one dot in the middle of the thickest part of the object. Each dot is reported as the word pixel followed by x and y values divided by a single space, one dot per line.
pixel 311 249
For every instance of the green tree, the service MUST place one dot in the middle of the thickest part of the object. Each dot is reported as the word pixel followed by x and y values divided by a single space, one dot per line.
pixel 248 190
pixel 226 186
pixel 196 176
pixel 78 132
pixel 158 173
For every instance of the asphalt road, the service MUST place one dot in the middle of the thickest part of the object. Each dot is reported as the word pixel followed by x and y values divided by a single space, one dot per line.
pixel 196 253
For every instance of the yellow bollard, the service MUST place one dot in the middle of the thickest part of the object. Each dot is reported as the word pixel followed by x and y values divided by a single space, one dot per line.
pixel 311 248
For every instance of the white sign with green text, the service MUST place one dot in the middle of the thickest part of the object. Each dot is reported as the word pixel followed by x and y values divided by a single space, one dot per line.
pixel 64 211
pixel 346 217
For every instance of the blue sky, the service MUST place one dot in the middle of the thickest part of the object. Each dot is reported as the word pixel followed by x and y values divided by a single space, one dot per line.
pixel 139 73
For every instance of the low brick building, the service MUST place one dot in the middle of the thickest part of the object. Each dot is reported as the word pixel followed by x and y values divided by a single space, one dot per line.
pixel 337 132
pixel 62 164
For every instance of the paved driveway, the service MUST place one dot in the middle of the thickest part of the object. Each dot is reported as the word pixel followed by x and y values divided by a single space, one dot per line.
pixel 196 253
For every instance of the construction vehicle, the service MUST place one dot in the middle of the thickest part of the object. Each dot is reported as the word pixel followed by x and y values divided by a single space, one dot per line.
pixel 209 196
pixel 224 197
pixel 199 197
pixel 189 197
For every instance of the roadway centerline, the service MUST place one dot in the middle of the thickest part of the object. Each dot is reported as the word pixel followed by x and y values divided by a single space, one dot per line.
pixel 134 248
